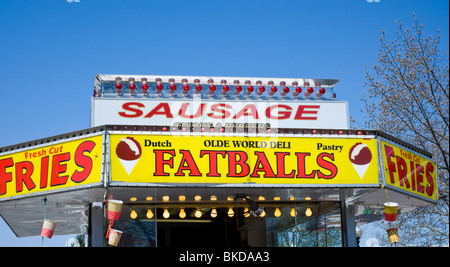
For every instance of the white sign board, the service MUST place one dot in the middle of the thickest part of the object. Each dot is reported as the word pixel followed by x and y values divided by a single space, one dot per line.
pixel 216 113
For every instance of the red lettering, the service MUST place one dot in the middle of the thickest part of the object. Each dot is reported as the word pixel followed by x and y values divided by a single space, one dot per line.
pixel 262 165
pixel 413 175
pixel 156 111
pixel 249 107
pixel 429 169
pixel 188 164
pixel 24 170
pixel 135 112
pixel 402 171
pixel 281 165
pixel 326 165
pixel 389 152
pixel 200 111
pixel 233 162
pixel 282 114
pixel 58 168
pixel 302 110
pixel 44 171
pixel 5 177
pixel 216 108
pixel 301 166
pixel 83 161
pixel 419 178
pixel 160 161
pixel 212 161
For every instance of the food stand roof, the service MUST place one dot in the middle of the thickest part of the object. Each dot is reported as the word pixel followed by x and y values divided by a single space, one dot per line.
pixel 68 204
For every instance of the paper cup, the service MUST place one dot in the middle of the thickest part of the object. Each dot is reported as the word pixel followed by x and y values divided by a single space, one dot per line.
pixel 114 237
pixel 114 209
pixel 393 235
pixel 390 211
pixel 48 228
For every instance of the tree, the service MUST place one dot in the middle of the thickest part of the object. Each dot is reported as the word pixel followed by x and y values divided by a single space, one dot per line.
pixel 408 97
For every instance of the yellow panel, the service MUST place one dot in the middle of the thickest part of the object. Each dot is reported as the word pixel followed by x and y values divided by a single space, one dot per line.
pixel 409 171
pixel 239 160
pixel 58 166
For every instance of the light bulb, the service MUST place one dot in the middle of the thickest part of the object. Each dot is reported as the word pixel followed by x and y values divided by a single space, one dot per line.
pixel 308 212
pixel 213 213
pixel 277 212
pixel 293 212
pixel 246 213
pixel 166 214
pixel 198 213
pixel 263 213
pixel 182 214
pixel 230 212
pixel 133 214
pixel 149 214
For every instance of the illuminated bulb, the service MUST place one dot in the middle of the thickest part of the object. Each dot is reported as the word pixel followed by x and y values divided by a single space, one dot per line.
pixel 149 198
pixel 166 214
pixel 277 212
pixel 198 213
pixel 261 198
pixel 133 214
pixel 182 214
pixel 133 199
pixel 165 198
pixel 308 212
pixel 263 213
pixel 230 212
pixel 197 198
pixel 246 212
pixel 213 198
pixel 213 213
pixel 149 214
pixel 181 198
pixel 293 212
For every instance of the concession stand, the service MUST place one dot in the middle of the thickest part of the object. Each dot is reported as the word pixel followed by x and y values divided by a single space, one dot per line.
pixel 196 161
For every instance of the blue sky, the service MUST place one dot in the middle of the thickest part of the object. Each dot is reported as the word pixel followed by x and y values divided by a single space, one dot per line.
pixel 50 51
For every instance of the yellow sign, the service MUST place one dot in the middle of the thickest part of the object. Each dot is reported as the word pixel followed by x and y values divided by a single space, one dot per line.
pixel 409 171
pixel 57 166
pixel 241 160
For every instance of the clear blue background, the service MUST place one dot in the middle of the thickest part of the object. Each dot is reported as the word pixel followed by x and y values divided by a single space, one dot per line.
pixel 50 51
